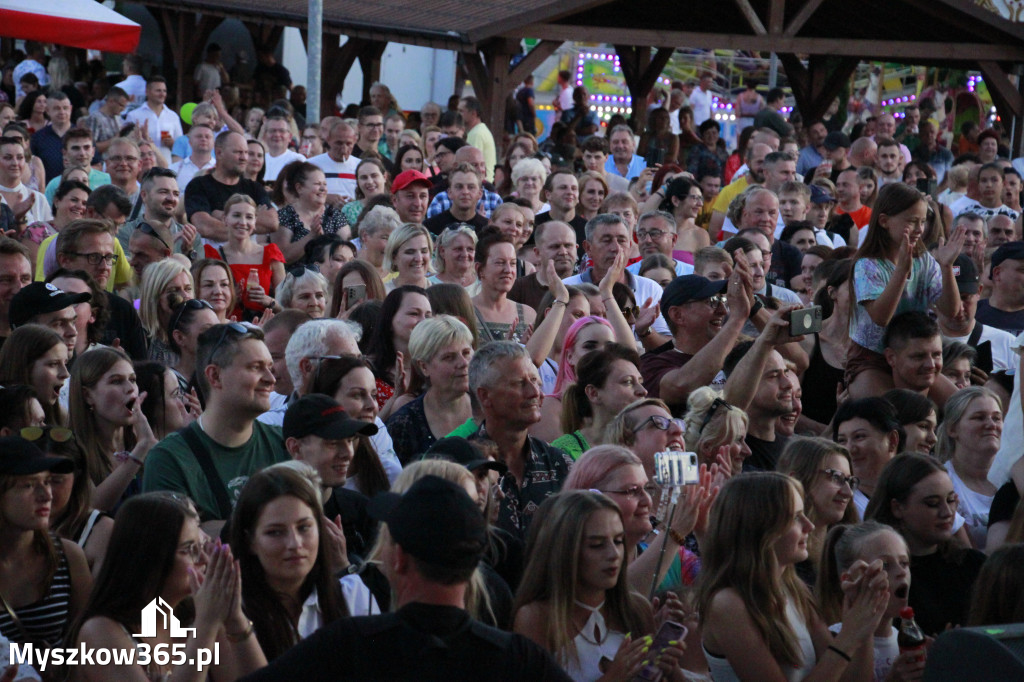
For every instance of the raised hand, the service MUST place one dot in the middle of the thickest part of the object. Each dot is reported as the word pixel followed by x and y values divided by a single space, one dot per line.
pixel 947 252
pixel 335 548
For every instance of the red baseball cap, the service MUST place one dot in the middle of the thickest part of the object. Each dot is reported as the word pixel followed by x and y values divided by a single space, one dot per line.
pixel 409 177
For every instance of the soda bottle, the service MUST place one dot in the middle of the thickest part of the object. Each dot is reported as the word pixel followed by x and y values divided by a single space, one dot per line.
pixel 909 637
pixel 252 282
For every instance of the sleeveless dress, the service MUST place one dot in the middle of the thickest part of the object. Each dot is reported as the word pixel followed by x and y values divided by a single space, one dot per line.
pixel 721 669
pixel 498 331
pixel 45 620
pixel 593 643
pixel 240 272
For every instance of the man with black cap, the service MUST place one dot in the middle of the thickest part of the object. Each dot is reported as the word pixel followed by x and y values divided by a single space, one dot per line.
pixel 318 431
pixel 994 346
pixel 1004 309
pixel 697 311
pixel 836 160
pixel 435 539
pixel 45 304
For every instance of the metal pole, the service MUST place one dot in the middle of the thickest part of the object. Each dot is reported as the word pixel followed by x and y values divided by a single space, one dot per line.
pixel 773 71
pixel 314 54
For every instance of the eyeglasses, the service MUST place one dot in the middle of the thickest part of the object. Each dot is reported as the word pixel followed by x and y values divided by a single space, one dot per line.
pixel 58 434
pixel 717 300
pixel 179 394
pixel 653 235
pixel 715 404
pixel 630 310
pixel 95 258
pixel 372 125
pixel 839 478
pixel 300 270
pixel 229 327
pixel 659 422
pixel 190 304
pixel 635 492
pixel 193 550
pixel 146 228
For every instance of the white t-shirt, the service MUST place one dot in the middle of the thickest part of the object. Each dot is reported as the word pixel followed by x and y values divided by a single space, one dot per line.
pixel 341 176
pixel 1003 357
pixel 1012 443
pixel 135 87
pixel 643 289
pixel 974 507
pixel 40 210
pixel 274 164
pixel 968 205
pixel 886 650
pixel 700 102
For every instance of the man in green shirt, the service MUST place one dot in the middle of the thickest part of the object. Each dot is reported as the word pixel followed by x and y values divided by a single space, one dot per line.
pixel 234 373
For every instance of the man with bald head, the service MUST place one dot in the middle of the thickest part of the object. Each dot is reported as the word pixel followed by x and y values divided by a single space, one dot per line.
pixel 474 157
pixel 756 154
pixel 1001 229
pixel 206 195
pixel 338 163
pixel 885 127
pixel 863 152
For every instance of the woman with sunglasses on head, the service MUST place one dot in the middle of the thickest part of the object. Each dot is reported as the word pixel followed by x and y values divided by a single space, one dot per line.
pixel 37 356
pixel 826 476
pixel 109 425
pixel 257 268
pixel 72 515
pixel 165 284
pixel 305 289
pixel 309 214
pixel 215 284
pixel 44 580
pixel 716 431
pixel 189 319
pixel 606 381
pixel 19 408
pixel 164 528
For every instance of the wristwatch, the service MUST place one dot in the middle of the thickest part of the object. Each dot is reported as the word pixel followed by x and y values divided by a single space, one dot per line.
pixel 756 308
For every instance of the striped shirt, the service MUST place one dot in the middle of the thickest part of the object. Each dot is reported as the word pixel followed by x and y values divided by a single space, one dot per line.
pixel 47 618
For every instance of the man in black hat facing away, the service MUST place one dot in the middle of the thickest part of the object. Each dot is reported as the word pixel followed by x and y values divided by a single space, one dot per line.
pixel 435 538
pixel 697 311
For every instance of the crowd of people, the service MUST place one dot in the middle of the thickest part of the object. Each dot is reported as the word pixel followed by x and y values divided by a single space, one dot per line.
pixel 365 400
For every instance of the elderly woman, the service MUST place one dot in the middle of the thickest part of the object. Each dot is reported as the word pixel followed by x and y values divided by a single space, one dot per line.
pixel 305 289
pixel 165 284
pixel 374 231
pixel 408 257
pixel 528 177
pixel 441 348
pixel 453 258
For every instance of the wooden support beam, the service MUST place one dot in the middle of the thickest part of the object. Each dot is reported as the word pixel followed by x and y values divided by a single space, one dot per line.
pixel 336 64
pixel 751 16
pixel 641 71
pixel 533 59
pixel 776 16
pixel 1003 90
pixel 369 61
pixel 801 17
pixel 894 50
pixel 816 85
pixel 478 75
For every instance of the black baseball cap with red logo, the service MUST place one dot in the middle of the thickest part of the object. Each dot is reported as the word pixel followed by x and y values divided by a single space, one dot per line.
pixel 321 415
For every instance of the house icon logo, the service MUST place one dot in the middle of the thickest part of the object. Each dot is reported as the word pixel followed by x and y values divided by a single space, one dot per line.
pixel 159 611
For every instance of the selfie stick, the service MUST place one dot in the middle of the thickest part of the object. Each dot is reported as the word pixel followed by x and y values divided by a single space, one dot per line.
pixel 661 556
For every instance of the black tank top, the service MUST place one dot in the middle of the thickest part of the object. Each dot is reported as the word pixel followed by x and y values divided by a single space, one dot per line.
pixel 819 386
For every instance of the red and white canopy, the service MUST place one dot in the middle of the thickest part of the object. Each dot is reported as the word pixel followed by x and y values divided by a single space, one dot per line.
pixel 75 23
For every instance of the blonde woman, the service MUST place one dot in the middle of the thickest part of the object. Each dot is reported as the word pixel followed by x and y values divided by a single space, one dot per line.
pixel 453 259
pixel 716 431
pixel 165 284
pixel 407 257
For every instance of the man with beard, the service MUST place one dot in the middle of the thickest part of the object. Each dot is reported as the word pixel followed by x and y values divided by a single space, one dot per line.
pixel 697 311
pixel 887 161
pixel 206 195
pixel 760 383
pixel 160 199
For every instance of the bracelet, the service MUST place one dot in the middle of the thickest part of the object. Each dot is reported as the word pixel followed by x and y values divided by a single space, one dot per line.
pixel 676 537
pixel 605 300
pixel 565 303
pixel 241 636
pixel 839 652
pixel 136 460
pixel 645 334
